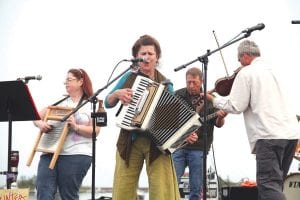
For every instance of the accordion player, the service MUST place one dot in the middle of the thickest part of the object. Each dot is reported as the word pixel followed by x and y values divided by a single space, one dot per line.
pixel 166 118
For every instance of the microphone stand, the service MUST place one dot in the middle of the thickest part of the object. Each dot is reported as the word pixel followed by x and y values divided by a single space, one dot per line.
pixel 295 21
pixel 93 100
pixel 204 60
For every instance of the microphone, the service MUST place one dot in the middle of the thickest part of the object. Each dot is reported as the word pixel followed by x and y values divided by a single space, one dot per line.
pixel 27 78
pixel 167 82
pixel 295 21
pixel 259 26
pixel 136 60
pixel 179 68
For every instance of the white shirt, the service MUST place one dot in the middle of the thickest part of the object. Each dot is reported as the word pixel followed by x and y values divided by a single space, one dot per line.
pixel 257 93
pixel 75 143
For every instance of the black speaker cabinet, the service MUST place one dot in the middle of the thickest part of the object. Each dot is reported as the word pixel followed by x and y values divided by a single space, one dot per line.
pixel 239 193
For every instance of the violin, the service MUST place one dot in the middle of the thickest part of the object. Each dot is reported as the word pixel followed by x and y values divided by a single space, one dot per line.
pixel 223 85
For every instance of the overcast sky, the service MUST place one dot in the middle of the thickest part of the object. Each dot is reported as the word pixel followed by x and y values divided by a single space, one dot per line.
pixel 39 37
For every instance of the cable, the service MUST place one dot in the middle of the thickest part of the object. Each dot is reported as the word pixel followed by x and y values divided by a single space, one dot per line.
pixel 216 171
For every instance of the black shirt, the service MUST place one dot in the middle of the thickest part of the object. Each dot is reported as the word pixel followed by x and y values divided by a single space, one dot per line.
pixel 199 145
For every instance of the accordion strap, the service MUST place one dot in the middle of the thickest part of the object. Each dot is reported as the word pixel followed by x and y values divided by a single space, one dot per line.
pixel 61 100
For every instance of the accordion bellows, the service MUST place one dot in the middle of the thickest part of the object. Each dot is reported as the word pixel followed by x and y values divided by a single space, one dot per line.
pixel 165 117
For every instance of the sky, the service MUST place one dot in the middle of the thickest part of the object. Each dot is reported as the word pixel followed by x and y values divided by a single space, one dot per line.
pixel 43 37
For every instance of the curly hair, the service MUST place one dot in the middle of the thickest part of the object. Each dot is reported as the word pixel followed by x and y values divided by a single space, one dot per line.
pixel 144 41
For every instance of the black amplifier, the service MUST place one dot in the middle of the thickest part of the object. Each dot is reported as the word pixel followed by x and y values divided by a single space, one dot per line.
pixel 239 193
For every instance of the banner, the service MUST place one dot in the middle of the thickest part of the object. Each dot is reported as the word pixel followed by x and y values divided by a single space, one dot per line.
pixel 14 194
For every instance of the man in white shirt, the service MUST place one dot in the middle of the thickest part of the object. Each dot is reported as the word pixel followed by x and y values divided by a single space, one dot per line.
pixel 271 125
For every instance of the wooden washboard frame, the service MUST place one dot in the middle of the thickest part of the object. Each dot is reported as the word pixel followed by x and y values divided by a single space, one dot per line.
pixel 53 141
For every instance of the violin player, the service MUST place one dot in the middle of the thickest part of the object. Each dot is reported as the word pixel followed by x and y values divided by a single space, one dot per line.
pixel 270 122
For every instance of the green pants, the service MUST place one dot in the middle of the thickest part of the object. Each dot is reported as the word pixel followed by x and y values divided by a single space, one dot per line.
pixel 161 174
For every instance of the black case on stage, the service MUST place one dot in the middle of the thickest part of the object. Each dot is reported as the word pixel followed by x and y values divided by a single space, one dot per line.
pixel 239 193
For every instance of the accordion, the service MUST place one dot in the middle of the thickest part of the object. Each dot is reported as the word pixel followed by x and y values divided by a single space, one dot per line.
pixel 166 118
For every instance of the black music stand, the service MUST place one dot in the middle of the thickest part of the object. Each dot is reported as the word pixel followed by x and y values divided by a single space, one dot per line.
pixel 16 104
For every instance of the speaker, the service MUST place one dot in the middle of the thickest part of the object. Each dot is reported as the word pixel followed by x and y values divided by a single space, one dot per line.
pixel 239 193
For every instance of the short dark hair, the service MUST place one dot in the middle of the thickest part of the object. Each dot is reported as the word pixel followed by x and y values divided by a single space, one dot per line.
pixel 146 40
pixel 194 71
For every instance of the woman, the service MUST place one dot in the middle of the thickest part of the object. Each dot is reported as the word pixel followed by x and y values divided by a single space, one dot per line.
pixel 76 155
pixel 132 147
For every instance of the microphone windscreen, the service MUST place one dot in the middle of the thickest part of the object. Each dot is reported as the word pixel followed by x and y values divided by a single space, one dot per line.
pixel 39 77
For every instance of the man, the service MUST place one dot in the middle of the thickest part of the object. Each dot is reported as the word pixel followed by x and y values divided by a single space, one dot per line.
pixel 192 154
pixel 271 125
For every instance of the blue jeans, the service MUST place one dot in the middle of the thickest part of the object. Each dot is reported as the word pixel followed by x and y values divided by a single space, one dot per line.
pixel 194 160
pixel 67 176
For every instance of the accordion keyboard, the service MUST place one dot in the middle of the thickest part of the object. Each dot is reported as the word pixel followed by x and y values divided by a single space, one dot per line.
pixel 129 112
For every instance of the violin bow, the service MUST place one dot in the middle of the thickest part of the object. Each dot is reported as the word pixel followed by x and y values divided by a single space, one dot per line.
pixel 221 53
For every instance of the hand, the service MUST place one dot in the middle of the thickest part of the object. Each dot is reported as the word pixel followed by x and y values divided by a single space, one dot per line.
pixel 124 95
pixel 72 122
pixel 209 96
pixel 220 119
pixel 43 126
pixel 192 138
pixel 221 114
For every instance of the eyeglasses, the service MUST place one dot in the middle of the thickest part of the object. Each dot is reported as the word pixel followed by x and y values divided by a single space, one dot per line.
pixel 70 79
